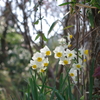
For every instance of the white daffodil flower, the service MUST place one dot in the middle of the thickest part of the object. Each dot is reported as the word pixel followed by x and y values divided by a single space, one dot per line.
pixel 35 64
pixel 69 37
pixel 70 54
pixel 69 44
pixel 45 62
pixel 39 57
pixel 41 70
pixel 77 66
pixel 46 51
pixel 84 51
pixel 59 52
pixel 64 61
pixel 73 73
pixel 62 41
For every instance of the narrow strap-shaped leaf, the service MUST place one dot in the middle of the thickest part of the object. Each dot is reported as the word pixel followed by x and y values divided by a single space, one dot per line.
pixel 38 35
pixel 68 27
pixel 35 89
pixel 32 88
pixel 66 3
pixel 52 94
pixel 91 19
pixel 36 22
pixel 29 93
pixel 91 79
pixel 66 93
pixel 59 96
pixel 60 82
pixel 69 89
pixel 44 38
pixel 43 85
pixel 52 26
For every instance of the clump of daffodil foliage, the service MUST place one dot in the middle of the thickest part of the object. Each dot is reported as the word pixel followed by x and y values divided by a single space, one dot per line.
pixel 66 56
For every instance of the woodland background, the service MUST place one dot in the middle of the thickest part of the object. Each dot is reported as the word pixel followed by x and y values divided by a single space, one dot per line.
pixel 26 26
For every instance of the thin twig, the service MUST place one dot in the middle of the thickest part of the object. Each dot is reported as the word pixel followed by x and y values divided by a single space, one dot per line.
pixel 86 36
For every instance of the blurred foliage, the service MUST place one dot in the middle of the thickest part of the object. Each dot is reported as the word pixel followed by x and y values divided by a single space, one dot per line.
pixel 14 65
pixel 14 38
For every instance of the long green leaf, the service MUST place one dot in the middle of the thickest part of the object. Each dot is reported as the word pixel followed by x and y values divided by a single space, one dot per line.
pixel 66 92
pixel 44 38
pixel 82 98
pixel 64 80
pixel 52 26
pixel 59 96
pixel 38 35
pixel 36 22
pixel 43 85
pixel 69 88
pixel 68 27
pixel 33 86
pixel 52 94
pixel 97 6
pixel 42 96
pixel 66 3
pixel 29 93
pixel 46 87
pixel 91 19
pixel 91 79
pixel 35 90
pixel 60 82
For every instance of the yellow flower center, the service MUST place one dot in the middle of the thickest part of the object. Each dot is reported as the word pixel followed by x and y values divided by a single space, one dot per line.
pixel 84 60
pixel 78 66
pixel 65 62
pixel 86 52
pixel 34 66
pixel 69 45
pixel 42 70
pixel 45 64
pixel 70 36
pixel 48 53
pixel 39 59
pixel 71 74
pixel 59 54
pixel 70 54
